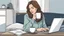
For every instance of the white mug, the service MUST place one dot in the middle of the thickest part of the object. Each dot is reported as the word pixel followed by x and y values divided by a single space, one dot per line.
pixel 32 30
pixel 38 15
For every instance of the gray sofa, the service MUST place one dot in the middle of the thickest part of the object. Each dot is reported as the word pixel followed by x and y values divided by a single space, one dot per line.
pixel 48 18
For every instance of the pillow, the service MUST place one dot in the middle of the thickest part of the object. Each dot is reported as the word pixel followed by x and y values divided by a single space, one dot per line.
pixel 15 26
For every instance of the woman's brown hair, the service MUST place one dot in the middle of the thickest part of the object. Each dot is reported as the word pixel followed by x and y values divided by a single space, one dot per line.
pixel 36 5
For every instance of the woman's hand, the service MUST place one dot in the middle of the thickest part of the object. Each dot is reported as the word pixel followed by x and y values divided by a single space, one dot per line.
pixel 42 29
pixel 34 16
pixel 47 28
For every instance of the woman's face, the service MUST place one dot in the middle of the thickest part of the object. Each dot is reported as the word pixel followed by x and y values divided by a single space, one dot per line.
pixel 32 9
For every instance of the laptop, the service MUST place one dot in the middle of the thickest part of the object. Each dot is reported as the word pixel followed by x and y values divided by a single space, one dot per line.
pixel 56 24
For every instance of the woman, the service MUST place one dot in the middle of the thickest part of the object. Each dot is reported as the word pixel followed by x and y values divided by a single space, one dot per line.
pixel 30 19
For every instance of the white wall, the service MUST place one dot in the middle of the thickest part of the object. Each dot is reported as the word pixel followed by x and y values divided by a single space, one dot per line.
pixel 56 6
pixel 46 5
pixel 23 4
pixel 15 4
pixel 20 5
pixel 4 2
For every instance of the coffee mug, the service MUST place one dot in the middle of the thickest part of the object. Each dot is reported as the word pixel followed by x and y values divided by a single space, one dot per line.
pixel 32 30
pixel 38 15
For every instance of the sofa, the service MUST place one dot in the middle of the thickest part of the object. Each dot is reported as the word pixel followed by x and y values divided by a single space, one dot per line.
pixel 48 18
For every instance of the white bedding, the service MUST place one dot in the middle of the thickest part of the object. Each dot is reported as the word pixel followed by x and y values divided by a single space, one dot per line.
pixel 18 32
pixel 16 28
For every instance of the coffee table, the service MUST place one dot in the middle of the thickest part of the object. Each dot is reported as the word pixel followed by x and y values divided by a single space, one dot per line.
pixel 43 34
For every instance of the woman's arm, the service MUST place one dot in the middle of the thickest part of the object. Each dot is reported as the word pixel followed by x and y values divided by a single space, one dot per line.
pixel 43 21
pixel 27 23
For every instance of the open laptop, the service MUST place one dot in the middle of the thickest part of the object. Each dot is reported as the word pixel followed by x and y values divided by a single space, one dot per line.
pixel 56 24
